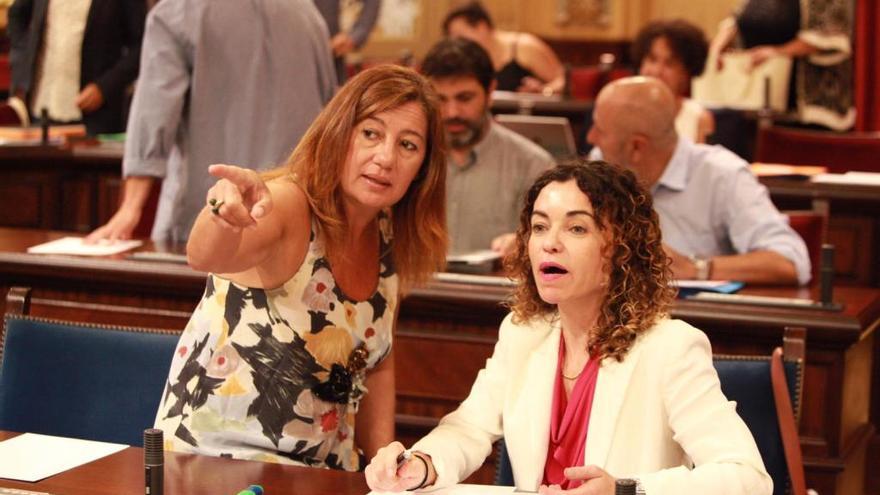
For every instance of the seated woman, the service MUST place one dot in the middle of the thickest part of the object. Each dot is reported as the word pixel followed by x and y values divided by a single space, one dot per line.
pixel 287 357
pixel 590 379
pixel 675 51
pixel 522 61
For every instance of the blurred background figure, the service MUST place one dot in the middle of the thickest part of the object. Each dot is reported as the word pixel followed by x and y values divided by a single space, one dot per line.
pixel 222 82
pixel 522 61
pixel 344 42
pixel 76 58
pixel 817 34
pixel 675 51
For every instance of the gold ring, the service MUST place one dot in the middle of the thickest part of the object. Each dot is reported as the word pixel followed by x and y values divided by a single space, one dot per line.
pixel 215 206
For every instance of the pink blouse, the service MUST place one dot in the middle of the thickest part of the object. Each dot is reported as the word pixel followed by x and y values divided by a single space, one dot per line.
pixel 569 423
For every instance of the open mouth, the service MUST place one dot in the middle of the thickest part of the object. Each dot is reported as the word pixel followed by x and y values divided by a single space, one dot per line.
pixel 549 268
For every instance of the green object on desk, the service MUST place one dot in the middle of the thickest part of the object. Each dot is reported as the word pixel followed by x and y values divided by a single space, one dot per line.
pixel 118 137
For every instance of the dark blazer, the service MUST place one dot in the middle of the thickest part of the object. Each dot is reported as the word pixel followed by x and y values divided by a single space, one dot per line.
pixel 110 52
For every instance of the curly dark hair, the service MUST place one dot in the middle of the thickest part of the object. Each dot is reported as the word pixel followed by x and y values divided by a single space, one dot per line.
pixel 472 13
pixel 687 42
pixel 638 269
pixel 459 57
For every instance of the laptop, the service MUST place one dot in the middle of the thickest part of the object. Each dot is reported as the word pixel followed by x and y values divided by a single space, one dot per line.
pixel 554 134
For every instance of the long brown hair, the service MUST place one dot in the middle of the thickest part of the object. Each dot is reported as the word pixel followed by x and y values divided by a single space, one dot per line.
pixel 419 218
pixel 638 268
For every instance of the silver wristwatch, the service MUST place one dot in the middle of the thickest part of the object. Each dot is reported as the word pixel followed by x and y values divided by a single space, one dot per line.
pixel 703 267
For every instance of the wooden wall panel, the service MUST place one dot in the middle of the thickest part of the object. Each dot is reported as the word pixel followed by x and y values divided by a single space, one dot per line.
pixel 23 203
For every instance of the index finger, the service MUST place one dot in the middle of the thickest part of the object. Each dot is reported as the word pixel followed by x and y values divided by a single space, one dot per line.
pixel 237 175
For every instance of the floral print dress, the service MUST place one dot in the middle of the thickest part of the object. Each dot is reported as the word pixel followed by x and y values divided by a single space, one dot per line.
pixel 277 375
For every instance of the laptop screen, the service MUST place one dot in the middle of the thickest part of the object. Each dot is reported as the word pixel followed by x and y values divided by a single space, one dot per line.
pixel 554 134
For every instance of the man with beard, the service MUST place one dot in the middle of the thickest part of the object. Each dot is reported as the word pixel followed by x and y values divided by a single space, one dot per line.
pixel 489 167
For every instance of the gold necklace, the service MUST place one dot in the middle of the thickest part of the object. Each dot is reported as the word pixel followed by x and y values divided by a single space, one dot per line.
pixel 575 377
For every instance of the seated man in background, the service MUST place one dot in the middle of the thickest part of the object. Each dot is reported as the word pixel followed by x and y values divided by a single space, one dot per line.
pixel 717 220
pixel 489 167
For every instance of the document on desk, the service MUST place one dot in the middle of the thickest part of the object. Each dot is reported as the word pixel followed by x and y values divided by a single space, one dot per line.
pixel 849 178
pixel 464 489
pixel 75 245
pixel 32 457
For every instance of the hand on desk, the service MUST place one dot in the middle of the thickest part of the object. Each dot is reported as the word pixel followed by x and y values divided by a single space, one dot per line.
pixel 135 191
pixel 595 482
pixel 120 226
pixel 383 473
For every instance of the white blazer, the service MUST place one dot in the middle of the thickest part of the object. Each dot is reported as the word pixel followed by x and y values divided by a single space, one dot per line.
pixel 659 415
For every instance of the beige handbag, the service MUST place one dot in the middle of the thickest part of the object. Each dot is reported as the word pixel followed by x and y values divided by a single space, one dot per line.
pixel 738 86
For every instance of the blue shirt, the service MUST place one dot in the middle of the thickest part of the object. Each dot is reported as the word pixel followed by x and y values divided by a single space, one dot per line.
pixel 710 204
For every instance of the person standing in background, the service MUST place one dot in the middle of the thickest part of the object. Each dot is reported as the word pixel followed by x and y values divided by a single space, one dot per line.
pixel 344 42
pixel 817 35
pixel 222 82
pixel 76 58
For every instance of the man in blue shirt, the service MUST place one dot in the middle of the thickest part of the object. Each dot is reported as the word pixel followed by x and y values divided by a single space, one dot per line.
pixel 717 220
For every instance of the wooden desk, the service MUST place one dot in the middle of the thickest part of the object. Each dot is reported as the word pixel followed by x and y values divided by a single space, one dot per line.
pixel 853 222
pixel 187 474
pixel 447 330
pixel 78 190
pixel 51 187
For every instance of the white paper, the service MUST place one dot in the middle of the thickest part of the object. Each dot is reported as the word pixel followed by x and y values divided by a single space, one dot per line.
pixel 465 278
pixel 854 178
pixel 32 457
pixel 464 489
pixel 474 257
pixel 75 245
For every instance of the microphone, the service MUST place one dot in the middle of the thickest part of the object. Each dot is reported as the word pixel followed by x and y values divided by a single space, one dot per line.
pixel 826 275
pixel 44 125
pixel 154 462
